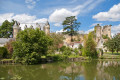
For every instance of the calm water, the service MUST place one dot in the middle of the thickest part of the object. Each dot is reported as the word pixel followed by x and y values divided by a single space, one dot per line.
pixel 84 70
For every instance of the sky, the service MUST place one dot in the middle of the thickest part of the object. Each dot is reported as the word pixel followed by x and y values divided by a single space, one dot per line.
pixel 88 12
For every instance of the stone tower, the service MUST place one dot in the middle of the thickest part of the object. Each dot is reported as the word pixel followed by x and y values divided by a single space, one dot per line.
pixel 107 30
pixel 47 28
pixel 98 32
pixel 16 29
pixel 25 27
pixel 31 27
pixel 38 26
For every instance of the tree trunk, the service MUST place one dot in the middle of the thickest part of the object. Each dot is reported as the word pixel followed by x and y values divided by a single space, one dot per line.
pixel 112 51
pixel 71 38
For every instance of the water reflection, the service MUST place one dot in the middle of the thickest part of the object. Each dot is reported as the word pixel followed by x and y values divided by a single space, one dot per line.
pixel 84 70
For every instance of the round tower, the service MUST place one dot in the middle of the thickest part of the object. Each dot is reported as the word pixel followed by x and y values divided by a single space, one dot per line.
pixel 98 32
pixel 16 29
pixel 47 28
pixel 25 27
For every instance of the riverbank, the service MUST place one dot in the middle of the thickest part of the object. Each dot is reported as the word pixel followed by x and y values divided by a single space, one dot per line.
pixel 71 58
pixel 109 55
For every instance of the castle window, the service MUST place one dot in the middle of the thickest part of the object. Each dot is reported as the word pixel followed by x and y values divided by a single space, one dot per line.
pixel 108 29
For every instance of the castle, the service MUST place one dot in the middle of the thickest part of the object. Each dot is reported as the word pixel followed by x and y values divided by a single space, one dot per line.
pixel 17 27
pixel 42 26
pixel 99 32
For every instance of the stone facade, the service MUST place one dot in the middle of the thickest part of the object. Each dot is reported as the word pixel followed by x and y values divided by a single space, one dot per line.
pixel 17 27
pixel 44 27
pixel 99 32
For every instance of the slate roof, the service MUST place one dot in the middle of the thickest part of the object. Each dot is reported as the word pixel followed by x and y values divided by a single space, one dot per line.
pixel 4 40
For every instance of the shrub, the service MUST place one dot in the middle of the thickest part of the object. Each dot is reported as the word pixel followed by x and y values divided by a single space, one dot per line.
pixel 76 51
pixel 29 44
pixel 62 48
pixel 59 57
pixel 3 52
pixel 9 48
pixel 67 51
pixel 31 58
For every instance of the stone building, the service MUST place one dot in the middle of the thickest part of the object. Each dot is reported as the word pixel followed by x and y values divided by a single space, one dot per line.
pixel 100 32
pixel 42 26
pixel 17 27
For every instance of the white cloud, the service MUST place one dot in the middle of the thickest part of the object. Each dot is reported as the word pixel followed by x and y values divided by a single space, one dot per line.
pixel 81 32
pixel 6 16
pixel 86 32
pixel 112 15
pixel 73 1
pixel 115 29
pixel 22 18
pixel 57 24
pixel 31 3
pixel 87 6
pixel 59 15
pixel 60 31
pixel 94 24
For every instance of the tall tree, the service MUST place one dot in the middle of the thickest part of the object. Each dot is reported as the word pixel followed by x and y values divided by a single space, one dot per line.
pixel 6 29
pixel 90 46
pixel 117 43
pixel 110 44
pixel 71 26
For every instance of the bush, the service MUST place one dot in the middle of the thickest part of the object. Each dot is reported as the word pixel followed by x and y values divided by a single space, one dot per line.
pixel 76 51
pixel 59 57
pixel 62 48
pixel 3 52
pixel 67 51
pixel 32 58
pixel 29 44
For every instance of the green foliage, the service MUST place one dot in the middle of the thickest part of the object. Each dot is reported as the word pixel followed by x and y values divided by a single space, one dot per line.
pixel 57 40
pixel 59 57
pixel 117 43
pixel 3 52
pixel 90 47
pixel 29 41
pixel 113 44
pixel 71 26
pixel 62 48
pixel 6 29
pixel 9 47
pixel 76 51
pixel 31 58
pixel 80 46
pixel 110 44
pixel 67 51
pixel 105 36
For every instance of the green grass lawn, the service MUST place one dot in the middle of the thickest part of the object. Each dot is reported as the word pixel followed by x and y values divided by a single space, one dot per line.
pixel 109 55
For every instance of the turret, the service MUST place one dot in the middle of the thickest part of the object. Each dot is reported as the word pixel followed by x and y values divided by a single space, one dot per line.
pixel 107 30
pixel 31 27
pixel 98 30
pixel 25 27
pixel 47 28
pixel 16 29
pixel 38 26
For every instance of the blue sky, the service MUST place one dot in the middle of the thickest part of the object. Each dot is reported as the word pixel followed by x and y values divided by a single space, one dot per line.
pixel 88 12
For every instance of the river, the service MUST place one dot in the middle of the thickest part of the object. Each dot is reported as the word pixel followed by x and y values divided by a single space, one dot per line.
pixel 82 70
